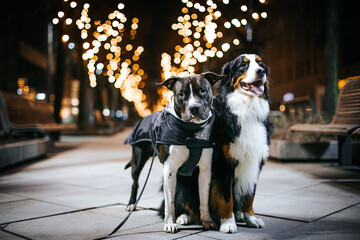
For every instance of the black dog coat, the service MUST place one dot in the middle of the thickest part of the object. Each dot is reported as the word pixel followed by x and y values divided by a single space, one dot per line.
pixel 164 128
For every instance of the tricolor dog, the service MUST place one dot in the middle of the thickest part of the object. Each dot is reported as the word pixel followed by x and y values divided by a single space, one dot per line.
pixel 241 133
pixel 179 135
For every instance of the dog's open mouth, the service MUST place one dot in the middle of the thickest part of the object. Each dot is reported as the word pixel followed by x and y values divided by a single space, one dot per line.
pixel 256 87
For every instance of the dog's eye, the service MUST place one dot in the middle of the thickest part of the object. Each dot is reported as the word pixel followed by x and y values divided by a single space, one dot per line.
pixel 243 64
pixel 202 91
pixel 181 94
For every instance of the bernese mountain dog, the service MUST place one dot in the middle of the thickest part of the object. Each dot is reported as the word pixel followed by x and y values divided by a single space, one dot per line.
pixel 241 135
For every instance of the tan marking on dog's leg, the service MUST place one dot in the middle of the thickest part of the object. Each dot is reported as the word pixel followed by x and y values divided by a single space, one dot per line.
pixel 222 209
pixel 249 214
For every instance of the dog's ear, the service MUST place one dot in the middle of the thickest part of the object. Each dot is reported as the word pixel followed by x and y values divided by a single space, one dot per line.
pixel 213 77
pixel 226 70
pixel 170 82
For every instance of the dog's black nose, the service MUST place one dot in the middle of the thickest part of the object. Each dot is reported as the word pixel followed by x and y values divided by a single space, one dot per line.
pixel 195 110
pixel 260 72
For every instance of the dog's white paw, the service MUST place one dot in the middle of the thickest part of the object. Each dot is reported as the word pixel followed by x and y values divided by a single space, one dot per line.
pixel 129 207
pixel 228 225
pixel 171 228
pixel 183 219
pixel 253 221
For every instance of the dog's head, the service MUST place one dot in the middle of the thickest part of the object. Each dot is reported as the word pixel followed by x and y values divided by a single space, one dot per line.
pixel 247 74
pixel 193 95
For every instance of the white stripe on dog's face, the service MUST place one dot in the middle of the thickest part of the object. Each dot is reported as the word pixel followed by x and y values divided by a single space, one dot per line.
pixel 192 100
pixel 251 74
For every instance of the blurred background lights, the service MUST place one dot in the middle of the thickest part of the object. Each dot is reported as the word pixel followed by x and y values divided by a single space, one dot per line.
pixel 264 15
pixel 73 4
pixel 225 47
pixel 106 112
pixel 60 14
pixel 118 113
pixel 236 22
pixel 121 6
pixel 243 8
pixel 68 21
pixel 71 45
pixel 55 21
pixel 65 38
pixel 227 25
pixel 243 21
pixel 40 96
pixel 255 15
pixel 100 66
pixel 262 1
pixel 288 97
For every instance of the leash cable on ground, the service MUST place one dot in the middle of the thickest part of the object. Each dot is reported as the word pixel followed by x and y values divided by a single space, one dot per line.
pixel 137 200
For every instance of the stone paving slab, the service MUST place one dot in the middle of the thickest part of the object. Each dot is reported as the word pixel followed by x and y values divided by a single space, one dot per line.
pixel 27 209
pixel 8 236
pixel 5 198
pixel 79 225
pixel 343 225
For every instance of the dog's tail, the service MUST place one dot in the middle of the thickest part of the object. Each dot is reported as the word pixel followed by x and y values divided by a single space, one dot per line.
pixel 127 165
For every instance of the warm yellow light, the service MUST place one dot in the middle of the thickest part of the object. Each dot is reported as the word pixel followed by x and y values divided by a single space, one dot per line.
pixel 135 57
pixel 282 107
pixel 128 47
pixel 65 38
pixel 109 56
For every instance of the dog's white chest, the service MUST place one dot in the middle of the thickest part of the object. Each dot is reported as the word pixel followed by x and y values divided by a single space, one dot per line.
pixel 250 147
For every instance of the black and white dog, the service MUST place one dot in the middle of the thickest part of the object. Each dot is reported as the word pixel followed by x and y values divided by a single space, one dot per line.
pixel 241 133
pixel 179 135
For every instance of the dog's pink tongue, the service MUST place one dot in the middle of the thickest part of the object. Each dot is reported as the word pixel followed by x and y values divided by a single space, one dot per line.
pixel 259 90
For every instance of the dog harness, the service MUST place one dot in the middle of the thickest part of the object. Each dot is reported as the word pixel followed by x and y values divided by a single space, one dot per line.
pixel 165 127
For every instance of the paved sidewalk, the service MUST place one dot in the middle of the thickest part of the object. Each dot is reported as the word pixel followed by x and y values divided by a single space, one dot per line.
pixel 81 193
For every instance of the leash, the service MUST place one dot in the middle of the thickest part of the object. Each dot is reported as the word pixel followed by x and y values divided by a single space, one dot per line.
pixel 137 200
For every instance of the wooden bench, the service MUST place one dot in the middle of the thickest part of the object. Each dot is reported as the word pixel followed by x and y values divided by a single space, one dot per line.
pixel 20 117
pixel 345 123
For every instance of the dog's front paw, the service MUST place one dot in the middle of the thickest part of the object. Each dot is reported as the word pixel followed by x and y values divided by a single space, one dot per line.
pixel 209 224
pixel 129 207
pixel 184 219
pixel 171 228
pixel 253 221
pixel 228 225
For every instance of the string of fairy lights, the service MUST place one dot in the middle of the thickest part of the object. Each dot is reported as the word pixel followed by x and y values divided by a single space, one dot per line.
pixel 107 47
pixel 110 39
pixel 198 27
